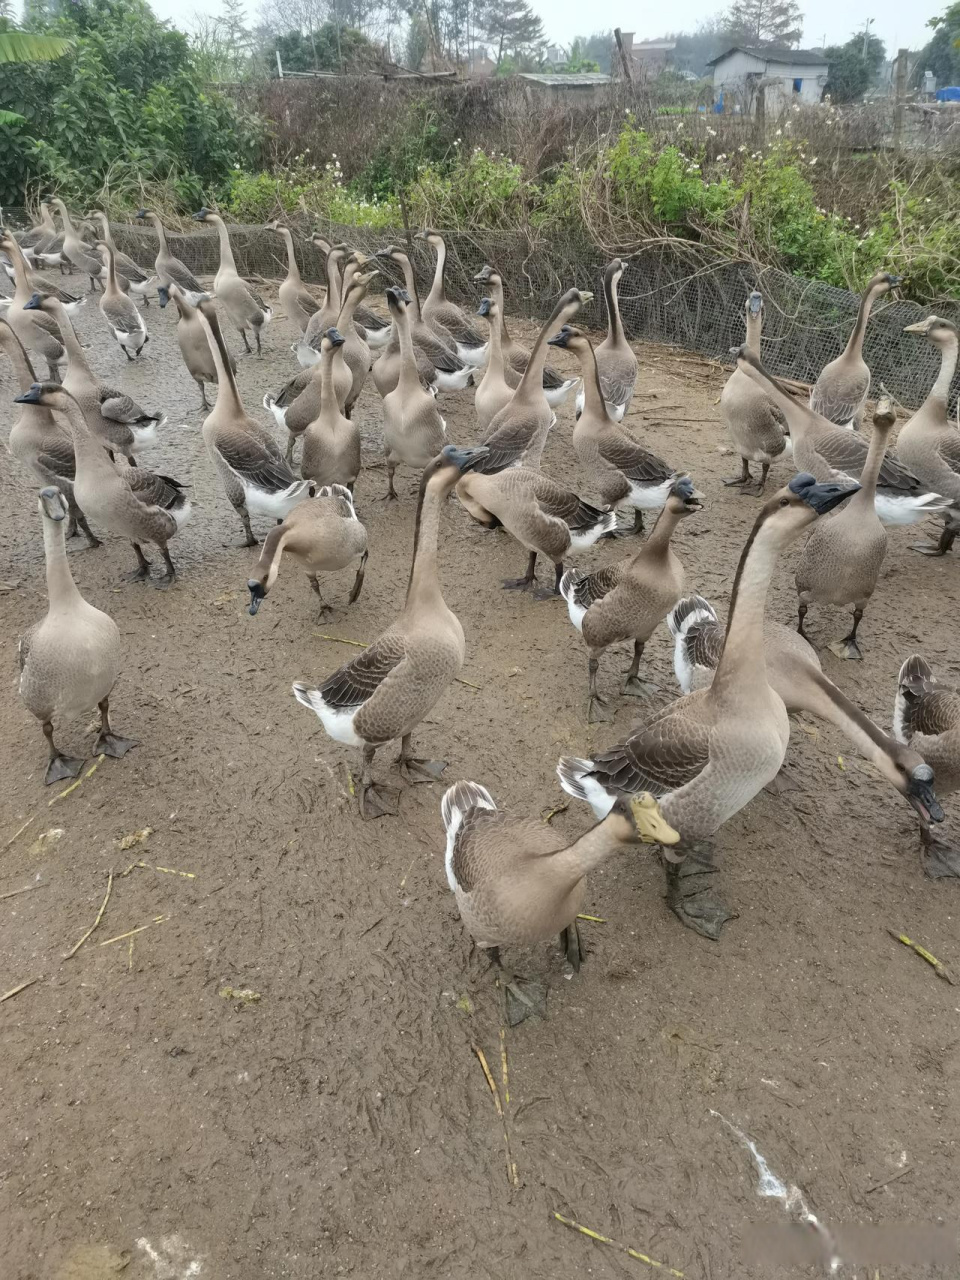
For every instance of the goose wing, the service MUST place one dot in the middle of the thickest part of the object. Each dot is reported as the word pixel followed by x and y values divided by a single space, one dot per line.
pixel 151 489
pixel 124 318
pixel 631 459
pixel 949 451
pixel 439 356
pixel 117 406
pixel 181 274
pixel 292 388
pixel 130 269
pixel 358 680
pixel 591 587
pixel 846 452
pixel 664 755
pixel 704 644
pixel 490 842
pixel 254 463
pixel 839 397
pixel 563 504
pixel 307 302
pixel 58 458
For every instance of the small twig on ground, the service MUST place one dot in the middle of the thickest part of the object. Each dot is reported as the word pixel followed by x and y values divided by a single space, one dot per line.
pixel 83 777
pixel 938 968
pixel 15 991
pixel 19 832
pixel 130 932
pixel 103 907
pixel 27 889
pixel 886 1182
pixel 549 814
pixel 512 1176
pixel 146 866
pixel 592 919
pixel 632 1253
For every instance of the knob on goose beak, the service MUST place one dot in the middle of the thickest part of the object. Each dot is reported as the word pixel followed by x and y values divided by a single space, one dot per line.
pixel 822 497
pixel 465 459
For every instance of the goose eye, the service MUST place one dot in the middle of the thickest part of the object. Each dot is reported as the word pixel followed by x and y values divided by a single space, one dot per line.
pixel 784 502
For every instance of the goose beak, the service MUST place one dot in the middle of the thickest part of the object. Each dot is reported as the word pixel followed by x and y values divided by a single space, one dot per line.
pixel 257 593
pixel 824 497
pixel 141 213
pixel 919 327
pixel 652 826
pixel 336 337
pixel 585 295
pixel 484 307
pixel 483 275
pixel 921 795
pixel 200 215
pixel 756 304
pixel 33 304
pixel 29 397
pixel 163 295
pixel 466 459
pixel 559 339
pixel 54 507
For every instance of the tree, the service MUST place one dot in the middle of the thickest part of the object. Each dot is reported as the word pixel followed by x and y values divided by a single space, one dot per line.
pixel 329 48
pixel 578 61
pixel 775 22
pixel 851 72
pixel 596 49
pixel 417 42
pixel 513 27
pixel 942 54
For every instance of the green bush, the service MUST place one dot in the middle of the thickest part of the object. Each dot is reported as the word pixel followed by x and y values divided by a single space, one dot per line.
pixel 304 187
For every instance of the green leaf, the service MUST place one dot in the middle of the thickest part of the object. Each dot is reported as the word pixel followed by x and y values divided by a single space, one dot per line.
pixel 23 46
pixel 11 117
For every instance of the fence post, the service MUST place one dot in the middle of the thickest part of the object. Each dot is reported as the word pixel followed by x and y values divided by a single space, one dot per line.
pixel 624 60
pixel 901 92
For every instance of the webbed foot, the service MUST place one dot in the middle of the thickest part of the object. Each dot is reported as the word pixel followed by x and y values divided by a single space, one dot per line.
pixel 690 900
pixel 167 580
pixel 378 801
pixel 109 744
pixel 61 767
pixel 782 783
pixel 518 584
pixel 414 769
pixel 598 711
pixel 940 860
pixel 140 574
pixel 523 1002
pixel 571 945
pixel 928 548
pixel 846 648
pixel 634 687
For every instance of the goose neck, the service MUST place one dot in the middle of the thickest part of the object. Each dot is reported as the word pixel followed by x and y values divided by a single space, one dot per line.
pixel 590 850
pixel 423 589
pixel 611 290
pixel 871 469
pixel 940 391
pixel 61 588
pixel 228 394
pixel 855 342
pixel 742 666
pixel 16 353
pixel 658 543
pixel 293 271
pixel 226 248
pixel 754 330
pixel 438 291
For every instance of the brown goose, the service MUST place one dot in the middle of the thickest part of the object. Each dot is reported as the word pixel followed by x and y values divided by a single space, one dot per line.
pixel 452 373
pixel 331 442
pixel 413 430
pixel 243 305
pixel 555 386
pixel 493 392
pixel 69 661
pixel 120 311
pixel 126 501
pixel 385 692
pixel 794 672
pixel 628 600
pixel 39 333
pixel 39 442
pixel 517 434
pixel 753 420
pixel 517 883
pixel 77 250
pixel 929 444
pixel 138 281
pixel 439 310
pixel 926 716
pixel 297 301
pixel 192 340
pixel 169 269
pixel 707 755
pixel 841 391
pixel 616 362
pixel 255 474
pixel 321 535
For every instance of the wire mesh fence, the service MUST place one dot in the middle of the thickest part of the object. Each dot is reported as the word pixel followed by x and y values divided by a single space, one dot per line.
pixel 671 292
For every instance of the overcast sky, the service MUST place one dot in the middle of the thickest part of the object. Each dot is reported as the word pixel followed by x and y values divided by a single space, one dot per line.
pixel 895 22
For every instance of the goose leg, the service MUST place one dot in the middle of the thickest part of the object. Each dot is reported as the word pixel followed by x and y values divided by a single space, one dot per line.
pixel 291 441
pixel 744 477
pixel 415 768
pixel 551 593
pixel 571 944
pixel 940 859
pixel 92 540
pixel 521 584
pixel 634 686
pixel 60 766
pixel 801 614
pixel 170 575
pixel 391 495
pixel 108 744
pixel 637 520
pixel 596 707
pixel 243 335
pixel 376 800
pixel 937 548
pixel 520 1002
pixel 204 402
pixel 245 518
pixel 143 572
pixel 256 334
pixel 688 894
pixel 358 580
pixel 848 647
pixel 315 586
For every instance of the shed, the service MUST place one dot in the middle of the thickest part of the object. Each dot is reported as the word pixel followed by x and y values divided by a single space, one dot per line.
pixel 785 75
pixel 584 86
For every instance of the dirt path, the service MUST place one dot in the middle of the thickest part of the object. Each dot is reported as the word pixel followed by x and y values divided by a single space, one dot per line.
pixel 341 1124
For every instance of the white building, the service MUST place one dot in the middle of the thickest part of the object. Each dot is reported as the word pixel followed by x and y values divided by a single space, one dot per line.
pixel 785 75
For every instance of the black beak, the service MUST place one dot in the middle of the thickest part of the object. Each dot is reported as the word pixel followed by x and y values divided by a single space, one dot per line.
pixel 484 307
pixel 824 497
pixel 467 459
pixel 141 213
pixel 29 397
pixel 923 798
pixel 163 295
pixel 483 274
pixel 33 304
pixel 336 337
pixel 558 339
pixel 257 594
pixel 200 216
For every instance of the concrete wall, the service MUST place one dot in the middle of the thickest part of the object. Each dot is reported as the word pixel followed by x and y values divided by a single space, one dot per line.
pixel 730 78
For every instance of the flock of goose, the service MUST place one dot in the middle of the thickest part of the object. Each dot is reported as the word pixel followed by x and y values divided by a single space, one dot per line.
pixel 689 766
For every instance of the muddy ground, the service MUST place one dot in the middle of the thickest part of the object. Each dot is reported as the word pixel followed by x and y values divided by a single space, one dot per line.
pixel 341 1124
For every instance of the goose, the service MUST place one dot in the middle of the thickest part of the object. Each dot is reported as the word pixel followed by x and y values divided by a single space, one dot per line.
pixel 929 444
pixel 540 514
pixel 413 430
pixel 832 453
pixel 622 471
pixel 841 561
pixel 39 333
pixel 926 718
pixel 331 442
pixel 439 311
pixel 132 275
pixel 355 353
pixel 37 283
pixel 793 670
pixel 387 690
pixel 115 418
pixel 707 755
pixel 308 349
pixel 517 434
pixel 192 340
pixel 171 270
pixel 253 470
pixel 77 250
pixel 246 309
pixel 452 373
pixel 628 600
pixel 753 420
pixel 616 362
pixel 39 231
pixel 555 387
pixel 69 661
pixel 297 301
pixel 840 392
pixel 493 392
pixel 38 440
pixel 321 535
pixel 49 248
pixel 120 312
pixel 126 501
pixel 518 883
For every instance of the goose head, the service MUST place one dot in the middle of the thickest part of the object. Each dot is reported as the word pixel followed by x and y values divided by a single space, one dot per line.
pixel 614 271
pixel 452 462
pixel 397 300
pixel 140 215
pixel 49 394
pixel 488 275
pixel 204 215
pixel 332 339
pixel 163 294
pixel 938 331
pixel 41 302
pixel 883 282
pixel 570 338
pixel 796 506
pixel 52 504
pixel 684 499
pixel 884 414
pixel 320 241
pixel 433 238
pixel 754 305
pixel 569 304
pixel 642 821
pixel 487 308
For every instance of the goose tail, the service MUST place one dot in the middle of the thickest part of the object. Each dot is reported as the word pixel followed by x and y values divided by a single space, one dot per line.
pixel 458 800
pixel 572 772
pixel 908 508
pixel 916 678
pixel 569 589
pixel 338 491
pixel 308 695
pixel 689 612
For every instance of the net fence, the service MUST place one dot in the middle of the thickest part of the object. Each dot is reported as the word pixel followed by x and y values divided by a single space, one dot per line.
pixel 672 292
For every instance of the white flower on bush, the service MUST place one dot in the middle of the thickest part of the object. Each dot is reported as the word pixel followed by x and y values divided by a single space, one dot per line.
pixel 721 156
pixel 778 134
pixel 680 127
pixel 742 147
pixel 813 161
pixel 711 132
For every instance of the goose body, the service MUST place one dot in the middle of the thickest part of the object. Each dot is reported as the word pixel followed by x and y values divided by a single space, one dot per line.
pixel 840 392
pixel 242 304
pixel 707 755
pixel 69 661
pixel 38 332
pixel 413 430
pixel 926 717
pixel 297 301
pixel 134 278
pixel 331 442
pixel 308 349
pixel 832 453
pixel 192 340
pixel 753 420
pixel 48 248
pixel 616 362
pixel 169 269
pixel 438 310
pixel 125 500
pixel 321 535
pixel 120 311
pixel 556 387
pixel 386 691
pixel 929 444
pixel 77 250
pixel 622 471
pixel 628 600
pixel 493 392
pixel 436 353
